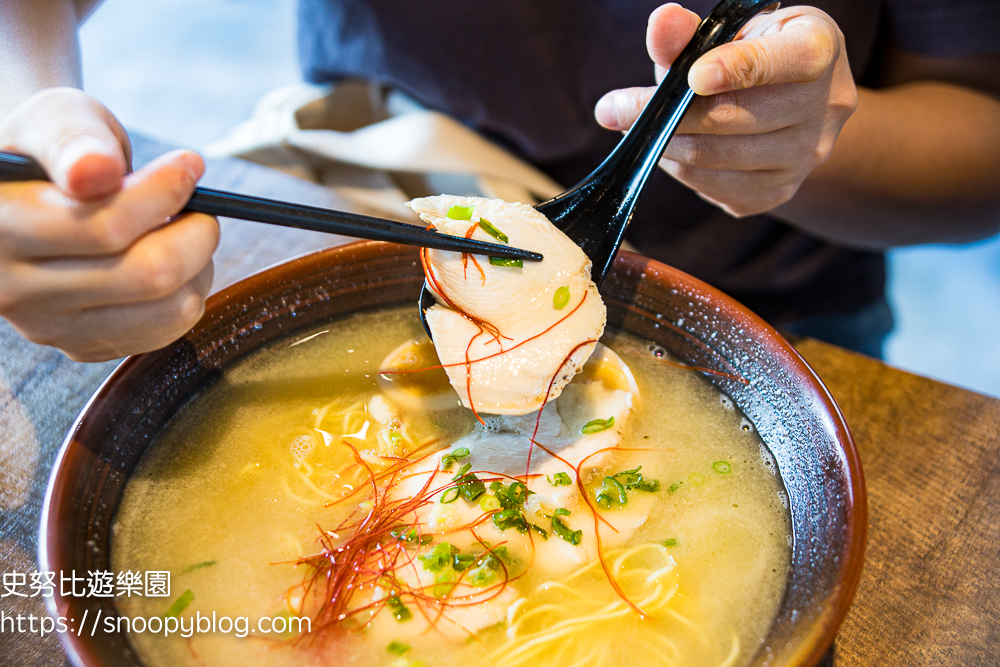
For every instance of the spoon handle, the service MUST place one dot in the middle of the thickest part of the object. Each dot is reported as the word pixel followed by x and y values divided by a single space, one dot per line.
pixel 609 194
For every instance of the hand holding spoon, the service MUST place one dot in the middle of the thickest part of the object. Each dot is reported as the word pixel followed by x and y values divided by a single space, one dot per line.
pixel 595 212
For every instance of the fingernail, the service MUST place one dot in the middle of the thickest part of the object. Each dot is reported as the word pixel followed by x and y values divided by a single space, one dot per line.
pixel 604 112
pixel 707 78
pixel 81 145
pixel 87 167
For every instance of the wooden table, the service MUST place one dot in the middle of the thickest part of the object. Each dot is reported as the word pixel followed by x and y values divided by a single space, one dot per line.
pixel 930 591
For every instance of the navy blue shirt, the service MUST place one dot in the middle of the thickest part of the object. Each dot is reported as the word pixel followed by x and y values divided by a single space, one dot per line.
pixel 527 73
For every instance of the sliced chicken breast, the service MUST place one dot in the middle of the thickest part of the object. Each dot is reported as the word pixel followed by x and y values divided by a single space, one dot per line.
pixel 605 389
pixel 510 337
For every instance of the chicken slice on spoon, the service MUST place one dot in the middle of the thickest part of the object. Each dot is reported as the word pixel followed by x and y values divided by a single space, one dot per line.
pixel 510 337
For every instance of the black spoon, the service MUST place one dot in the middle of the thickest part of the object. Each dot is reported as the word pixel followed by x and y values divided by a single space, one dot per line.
pixel 596 211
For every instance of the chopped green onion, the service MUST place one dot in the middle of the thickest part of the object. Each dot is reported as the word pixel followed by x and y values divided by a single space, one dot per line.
pixel 489 503
pixel 511 499
pixel 722 467
pixel 409 535
pixel 629 473
pixel 561 298
pixel 614 489
pixel 488 227
pixel 400 611
pixel 696 478
pixel 633 479
pixel 447 562
pixel 560 479
pixel 504 555
pixel 504 261
pixel 397 648
pixel 450 495
pixel 512 496
pixel 617 489
pixel 647 485
pixel 517 492
pixel 671 542
pixel 510 518
pixel 180 604
pixel 198 566
pixel 470 486
pixel 404 534
pixel 541 531
pixel 462 562
pixel 604 499
pixel 448 459
pixel 562 530
pixel 482 576
pixel 491 559
pixel 458 212
pixel 675 487
pixel 439 557
pixel 444 584
pixel 597 425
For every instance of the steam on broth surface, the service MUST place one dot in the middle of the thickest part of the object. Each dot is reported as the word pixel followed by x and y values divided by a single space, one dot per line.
pixel 233 496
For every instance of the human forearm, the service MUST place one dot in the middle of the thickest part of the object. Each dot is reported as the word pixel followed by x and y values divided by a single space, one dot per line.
pixel 916 163
pixel 38 48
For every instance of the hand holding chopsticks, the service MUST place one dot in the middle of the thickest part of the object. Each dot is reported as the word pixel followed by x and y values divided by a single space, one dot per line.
pixel 228 204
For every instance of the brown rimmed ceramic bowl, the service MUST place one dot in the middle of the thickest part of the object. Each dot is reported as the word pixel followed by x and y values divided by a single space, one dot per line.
pixel 792 410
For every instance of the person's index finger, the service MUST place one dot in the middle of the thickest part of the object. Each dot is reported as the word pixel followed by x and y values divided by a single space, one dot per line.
pixel 148 197
pixel 754 111
pixel 44 222
pixel 802 51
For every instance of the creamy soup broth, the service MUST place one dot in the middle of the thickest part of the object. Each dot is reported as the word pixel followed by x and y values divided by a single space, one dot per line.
pixel 236 489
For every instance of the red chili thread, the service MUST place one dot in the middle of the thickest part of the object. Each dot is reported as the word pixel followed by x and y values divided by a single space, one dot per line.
pixel 480 324
pixel 548 390
pixel 597 533
pixel 437 289
pixel 467 256
pixel 363 560
pixel 338 589
pixel 495 354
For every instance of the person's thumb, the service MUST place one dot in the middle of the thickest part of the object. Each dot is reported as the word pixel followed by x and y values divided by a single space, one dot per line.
pixel 78 142
pixel 799 50
pixel 669 30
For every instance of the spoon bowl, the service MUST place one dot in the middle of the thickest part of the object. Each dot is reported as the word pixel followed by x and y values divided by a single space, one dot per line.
pixel 595 212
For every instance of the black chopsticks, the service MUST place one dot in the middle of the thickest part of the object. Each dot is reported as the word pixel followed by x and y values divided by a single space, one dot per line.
pixel 257 209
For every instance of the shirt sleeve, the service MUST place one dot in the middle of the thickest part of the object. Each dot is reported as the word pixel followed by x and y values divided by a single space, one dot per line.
pixel 946 28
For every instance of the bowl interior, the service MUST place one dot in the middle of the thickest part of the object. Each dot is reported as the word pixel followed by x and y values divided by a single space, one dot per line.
pixel 791 409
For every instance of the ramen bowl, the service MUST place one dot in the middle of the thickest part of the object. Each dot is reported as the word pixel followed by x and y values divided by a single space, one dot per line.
pixel 764 376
